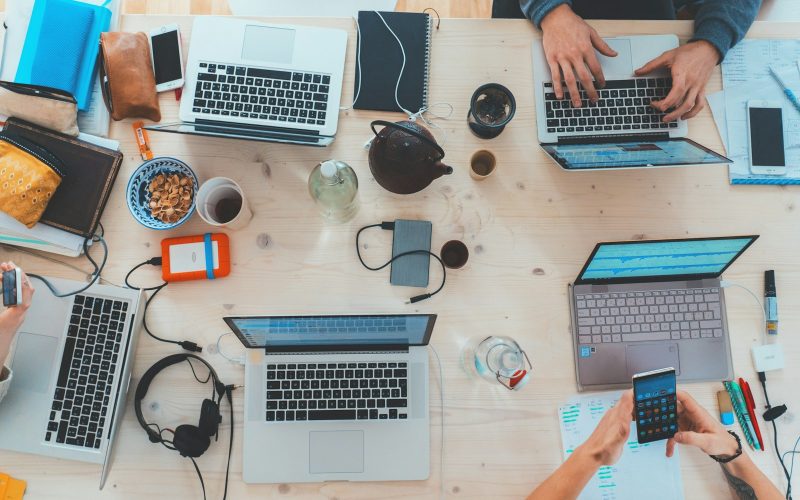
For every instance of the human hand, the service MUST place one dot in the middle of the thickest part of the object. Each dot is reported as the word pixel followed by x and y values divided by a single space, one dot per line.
pixel 27 293
pixel 696 427
pixel 606 442
pixel 691 66
pixel 569 45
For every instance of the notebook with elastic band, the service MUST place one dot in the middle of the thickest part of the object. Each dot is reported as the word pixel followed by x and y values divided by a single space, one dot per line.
pixel 379 61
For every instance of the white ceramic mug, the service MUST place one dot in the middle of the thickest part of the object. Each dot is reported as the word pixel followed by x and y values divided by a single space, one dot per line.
pixel 222 190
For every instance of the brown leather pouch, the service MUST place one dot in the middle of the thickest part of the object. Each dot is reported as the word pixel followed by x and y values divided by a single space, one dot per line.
pixel 126 71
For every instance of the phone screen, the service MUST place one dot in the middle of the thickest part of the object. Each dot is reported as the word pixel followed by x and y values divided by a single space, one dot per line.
pixel 10 288
pixel 655 405
pixel 166 57
pixel 766 137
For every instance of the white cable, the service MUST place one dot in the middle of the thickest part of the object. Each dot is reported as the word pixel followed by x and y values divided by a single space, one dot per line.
pixel 219 350
pixel 358 64
pixel 402 67
pixel 726 284
pixel 441 394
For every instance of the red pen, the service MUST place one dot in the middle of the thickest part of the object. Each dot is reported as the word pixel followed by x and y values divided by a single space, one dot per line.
pixel 751 409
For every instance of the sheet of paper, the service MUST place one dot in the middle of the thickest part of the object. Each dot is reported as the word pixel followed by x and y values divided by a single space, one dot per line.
pixel 635 472
pixel 730 107
pixel 750 59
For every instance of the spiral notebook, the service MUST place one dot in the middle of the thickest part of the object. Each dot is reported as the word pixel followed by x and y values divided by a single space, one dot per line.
pixel 381 61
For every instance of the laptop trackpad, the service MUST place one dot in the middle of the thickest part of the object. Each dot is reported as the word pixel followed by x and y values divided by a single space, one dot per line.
pixel 336 451
pixel 622 64
pixel 33 361
pixel 646 357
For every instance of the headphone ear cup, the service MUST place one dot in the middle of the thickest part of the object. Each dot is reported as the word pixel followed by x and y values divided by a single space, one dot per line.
pixel 210 417
pixel 190 441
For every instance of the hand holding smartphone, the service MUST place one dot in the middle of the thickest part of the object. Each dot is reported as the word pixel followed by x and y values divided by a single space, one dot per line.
pixel 765 127
pixel 165 49
pixel 12 287
pixel 655 405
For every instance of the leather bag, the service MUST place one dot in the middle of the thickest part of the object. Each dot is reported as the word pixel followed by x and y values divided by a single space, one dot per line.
pixel 126 73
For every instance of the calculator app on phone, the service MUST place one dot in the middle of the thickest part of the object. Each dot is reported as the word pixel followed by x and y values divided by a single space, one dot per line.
pixel 655 405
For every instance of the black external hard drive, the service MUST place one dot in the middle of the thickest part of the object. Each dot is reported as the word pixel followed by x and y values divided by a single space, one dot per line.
pixel 411 270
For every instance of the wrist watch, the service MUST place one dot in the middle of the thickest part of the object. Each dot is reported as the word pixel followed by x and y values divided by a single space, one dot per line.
pixel 724 459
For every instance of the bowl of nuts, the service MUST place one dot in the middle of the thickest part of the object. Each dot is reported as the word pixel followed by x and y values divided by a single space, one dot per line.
pixel 161 193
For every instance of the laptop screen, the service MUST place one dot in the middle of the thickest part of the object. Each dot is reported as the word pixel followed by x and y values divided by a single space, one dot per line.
pixel 298 333
pixel 631 153
pixel 667 259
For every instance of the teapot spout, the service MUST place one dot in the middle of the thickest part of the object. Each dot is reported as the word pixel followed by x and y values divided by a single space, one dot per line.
pixel 442 169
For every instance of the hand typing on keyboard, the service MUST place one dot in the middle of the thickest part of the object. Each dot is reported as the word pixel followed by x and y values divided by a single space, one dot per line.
pixel 569 45
pixel 691 66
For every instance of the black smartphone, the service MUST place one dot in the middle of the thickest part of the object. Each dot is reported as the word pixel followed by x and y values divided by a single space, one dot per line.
pixel 12 287
pixel 655 405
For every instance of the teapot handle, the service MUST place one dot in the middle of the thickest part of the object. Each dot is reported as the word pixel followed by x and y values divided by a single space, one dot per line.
pixel 412 132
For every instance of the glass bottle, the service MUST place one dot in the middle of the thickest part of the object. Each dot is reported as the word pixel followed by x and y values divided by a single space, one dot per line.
pixel 334 187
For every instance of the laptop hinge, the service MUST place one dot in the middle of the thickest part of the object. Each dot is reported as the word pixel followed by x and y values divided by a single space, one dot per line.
pixel 366 349
pixel 254 128
pixel 612 138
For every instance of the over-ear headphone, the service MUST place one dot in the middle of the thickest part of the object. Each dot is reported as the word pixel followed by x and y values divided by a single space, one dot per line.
pixel 189 440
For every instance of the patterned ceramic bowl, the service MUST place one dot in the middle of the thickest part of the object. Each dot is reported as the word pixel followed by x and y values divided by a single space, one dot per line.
pixel 138 195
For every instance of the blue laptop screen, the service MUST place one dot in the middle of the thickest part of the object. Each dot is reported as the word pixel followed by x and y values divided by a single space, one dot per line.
pixel 319 331
pixel 626 154
pixel 663 258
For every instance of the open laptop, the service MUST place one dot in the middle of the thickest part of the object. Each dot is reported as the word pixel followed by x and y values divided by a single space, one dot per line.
pixel 71 361
pixel 621 130
pixel 335 398
pixel 264 82
pixel 637 306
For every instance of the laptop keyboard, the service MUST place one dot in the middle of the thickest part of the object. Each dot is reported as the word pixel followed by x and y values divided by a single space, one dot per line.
pixel 265 94
pixel 623 105
pixel 86 376
pixel 337 391
pixel 652 315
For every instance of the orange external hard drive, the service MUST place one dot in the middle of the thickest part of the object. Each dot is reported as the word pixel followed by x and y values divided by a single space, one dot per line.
pixel 200 257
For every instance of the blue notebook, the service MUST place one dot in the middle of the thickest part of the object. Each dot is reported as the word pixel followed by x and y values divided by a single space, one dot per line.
pixel 61 46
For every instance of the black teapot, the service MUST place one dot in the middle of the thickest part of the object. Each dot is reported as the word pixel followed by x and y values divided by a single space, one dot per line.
pixel 404 157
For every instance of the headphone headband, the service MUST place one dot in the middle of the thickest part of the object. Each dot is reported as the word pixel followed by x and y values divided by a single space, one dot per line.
pixel 150 374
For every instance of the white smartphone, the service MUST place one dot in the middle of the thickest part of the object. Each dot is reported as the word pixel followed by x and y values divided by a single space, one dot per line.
pixel 165 50
pixel 765 127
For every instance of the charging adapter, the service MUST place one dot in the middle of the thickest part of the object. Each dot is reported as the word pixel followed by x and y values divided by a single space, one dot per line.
pixel 767 357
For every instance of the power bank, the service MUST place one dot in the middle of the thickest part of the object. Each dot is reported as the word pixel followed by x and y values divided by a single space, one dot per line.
pixel 411 270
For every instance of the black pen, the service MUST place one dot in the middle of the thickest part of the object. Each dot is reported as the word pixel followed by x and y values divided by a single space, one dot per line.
pixel 771 302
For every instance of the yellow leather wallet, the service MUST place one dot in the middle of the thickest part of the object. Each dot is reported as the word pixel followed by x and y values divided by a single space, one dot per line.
pixel 29 175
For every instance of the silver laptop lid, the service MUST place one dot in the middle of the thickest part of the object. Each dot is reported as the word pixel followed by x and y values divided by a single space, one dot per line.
pixel 662 260
pixel 332 333
pixel 603 153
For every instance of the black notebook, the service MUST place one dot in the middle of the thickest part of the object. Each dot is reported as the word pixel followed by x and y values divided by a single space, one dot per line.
pixel 382 59
pixel 89 174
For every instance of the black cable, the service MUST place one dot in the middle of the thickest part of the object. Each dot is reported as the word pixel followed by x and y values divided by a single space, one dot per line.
pixel 156 261
pixel 390 226
pixel 98 269
pixel 762 376
pixel 229 393
pixel 202 483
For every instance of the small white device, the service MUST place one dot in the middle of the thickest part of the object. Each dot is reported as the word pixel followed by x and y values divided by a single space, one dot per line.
pixel 768 357
pixel 165 50
pixel 765 132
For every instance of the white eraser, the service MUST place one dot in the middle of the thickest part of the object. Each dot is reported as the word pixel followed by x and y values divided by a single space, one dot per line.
pixel 768 357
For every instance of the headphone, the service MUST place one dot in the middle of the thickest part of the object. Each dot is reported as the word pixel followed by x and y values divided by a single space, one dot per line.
pixel 190 441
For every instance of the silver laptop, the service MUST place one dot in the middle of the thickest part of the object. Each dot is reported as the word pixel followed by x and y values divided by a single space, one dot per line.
pixel 637 306
pixel 264 82
pixel 621 130
pixel 72 366
pixel 335 398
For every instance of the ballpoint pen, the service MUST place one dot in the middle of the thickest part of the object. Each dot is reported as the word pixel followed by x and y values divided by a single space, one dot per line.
pixel 786 90
pixel 751 409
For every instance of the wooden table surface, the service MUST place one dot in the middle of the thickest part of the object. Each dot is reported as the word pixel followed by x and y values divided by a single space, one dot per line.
pixel 529 230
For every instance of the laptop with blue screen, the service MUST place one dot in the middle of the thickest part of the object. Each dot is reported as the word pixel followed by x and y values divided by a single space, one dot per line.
pixel 638 306
pixel 335 398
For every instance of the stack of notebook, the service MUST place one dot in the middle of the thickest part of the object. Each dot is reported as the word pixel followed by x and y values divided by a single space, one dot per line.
pixel 90 166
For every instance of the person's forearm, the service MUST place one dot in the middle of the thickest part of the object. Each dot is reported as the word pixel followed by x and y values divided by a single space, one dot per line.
pixel 568 480
pixel 748 482
pixel 10 321
pixel 723 23
pixel 535 10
